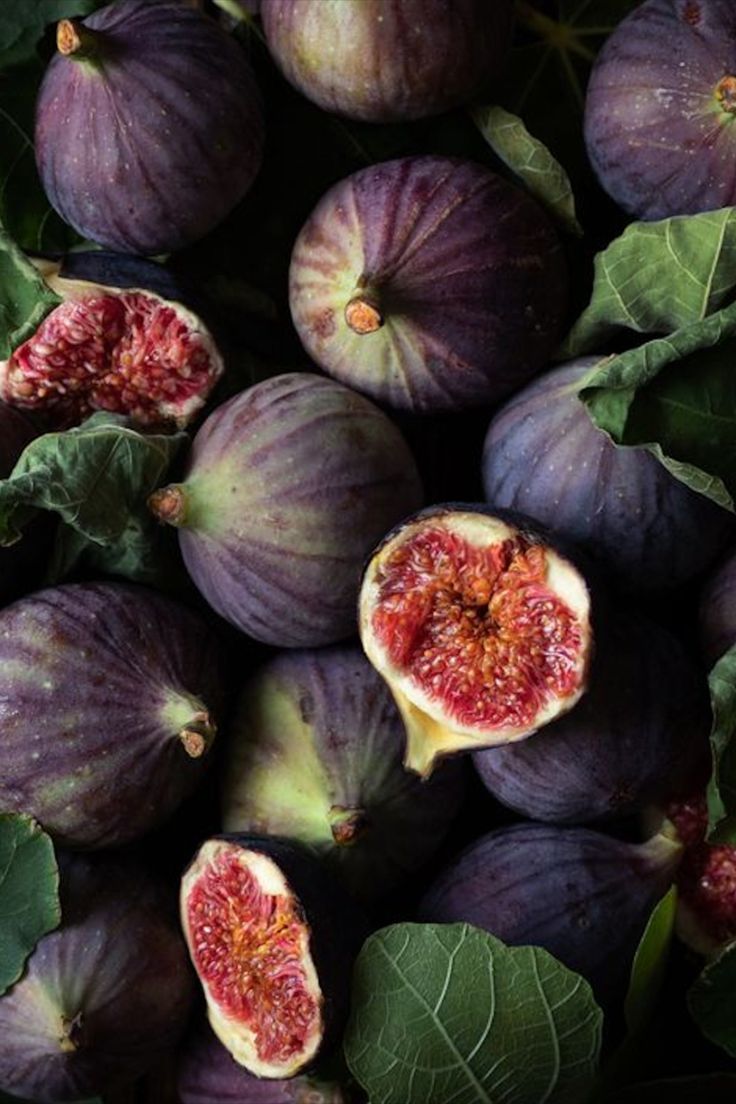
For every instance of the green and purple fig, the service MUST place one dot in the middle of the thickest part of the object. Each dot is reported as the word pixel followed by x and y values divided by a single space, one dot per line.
pixel 388 60
pixel 429 283
pixel 289 486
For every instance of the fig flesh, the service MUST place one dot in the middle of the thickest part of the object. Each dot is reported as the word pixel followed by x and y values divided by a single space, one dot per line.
pixel 314 755
pixel 388 60
pixel 297 469
pixel 718 611
pixel 428 283
pixel 706 881
pixel 109 702
pixel 481 628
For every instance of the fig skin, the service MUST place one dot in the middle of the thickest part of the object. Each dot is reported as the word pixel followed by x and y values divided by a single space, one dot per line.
pixel 16 432
pixel 429 283
pixel 717 611
pixel 658 120
pixel 155 188
pixel 544 457
pixel 109 700
pixel 632 741
pixel 297 470
pixel 315 754
pixel 388 60
pixel 105 996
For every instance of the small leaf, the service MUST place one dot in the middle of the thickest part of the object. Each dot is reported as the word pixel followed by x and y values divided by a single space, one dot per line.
pixel 722 784
pixel 650 961
pixel 446 1012
pixel 530 160
pixel 25 299
pixel 711 1001
pixel 29 892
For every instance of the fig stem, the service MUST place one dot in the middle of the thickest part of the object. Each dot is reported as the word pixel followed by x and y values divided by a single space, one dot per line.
pixel 726 94
pixel 76 41
pixel 169 504
pixel 347 824
pixel 71 1034
pixel 198 734
pixel 363 312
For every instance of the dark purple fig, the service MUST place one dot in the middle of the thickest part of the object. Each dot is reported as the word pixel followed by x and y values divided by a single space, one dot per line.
pixel 718 611
pixel 109 701
pixel 104 997
pixel 15 433
pixel 315 755
pixel 148 125
pixel 544 457
pixel 386 60
pixel 273 942
pixel 632 741
pixel 429 283
pixel 289 486
pixel 660 108
pixel 582 896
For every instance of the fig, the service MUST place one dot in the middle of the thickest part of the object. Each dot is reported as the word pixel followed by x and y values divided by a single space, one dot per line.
pixel 109 701
pixel 481 628
pixel 660 106
pixel 718 611
pixel 544 457
pixel 15 433
pixel 289 486
pixel 388 60
pixel 149 126
pixel 315 755
pixel 706 880
pixel 104 997
pixel 632 741
pixel 429 283
pixel 273 943
pixel 583 896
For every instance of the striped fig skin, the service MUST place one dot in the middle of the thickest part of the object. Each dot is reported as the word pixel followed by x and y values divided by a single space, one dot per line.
pixel 148 150
pixel 290 485
pixel 105 996
pixel 658 122
pixel 98 682
pixel 718 611
pixel 544 457
pixel 467 272
pixel 387 60
pixel 15 433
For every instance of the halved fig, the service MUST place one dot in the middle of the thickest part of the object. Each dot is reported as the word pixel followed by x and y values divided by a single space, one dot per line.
pixel 272 941
pixel 480 626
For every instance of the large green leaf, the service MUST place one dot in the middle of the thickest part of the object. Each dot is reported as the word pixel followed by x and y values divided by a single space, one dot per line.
pixel 722 784
pixel 29 892
pixel 446 1012
pixel 24 297
pixel 711 1000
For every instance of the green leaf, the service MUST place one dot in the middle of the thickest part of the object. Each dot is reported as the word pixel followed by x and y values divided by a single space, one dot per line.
pixel 22 24
pixel 530 160
pixel 650 961
pixel 722 785
pixel 711 1001
pixel 446 1012
pixel 658 277
pixel 29 892
pixel 25 299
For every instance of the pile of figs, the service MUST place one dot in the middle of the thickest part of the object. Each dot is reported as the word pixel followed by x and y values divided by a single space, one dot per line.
pixel 434 647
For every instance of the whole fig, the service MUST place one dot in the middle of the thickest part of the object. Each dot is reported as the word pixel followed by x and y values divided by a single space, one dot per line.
pixel 718 611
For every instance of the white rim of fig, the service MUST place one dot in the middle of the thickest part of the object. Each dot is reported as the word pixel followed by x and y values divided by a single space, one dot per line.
pixel 429 732
pixel 236 1036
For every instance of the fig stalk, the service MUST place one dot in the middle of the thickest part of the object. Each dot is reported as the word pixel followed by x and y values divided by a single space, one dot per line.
pixel 76 41
pixel 363 312
pixel 169 505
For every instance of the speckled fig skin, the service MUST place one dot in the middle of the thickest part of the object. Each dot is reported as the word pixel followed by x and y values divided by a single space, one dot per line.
pixel 632 741
pixel 15 433
pixel 110 696
pixel 388 60
pixel 148 141
pixel 660 106
pixel 455 279
pixel 544 456
pixel 717 613
pixel 297 471
pixel 315 754
pixel 105 996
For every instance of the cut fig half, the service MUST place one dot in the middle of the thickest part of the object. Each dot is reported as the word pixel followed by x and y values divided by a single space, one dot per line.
pixel 481 628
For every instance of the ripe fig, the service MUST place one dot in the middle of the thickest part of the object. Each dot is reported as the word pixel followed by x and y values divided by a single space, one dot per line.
pixel 15 433
pixel 660 106
pixel 148 125
pixel 481 628
pixel 315 755
pixel 718 611
pixel 583 896
pixel 706 880
pixel 632 741
pixel 297 470
pixel 105 996
pixel 272 942
pixel 429 283
pixel 387 60
pixel 544 456
pixel 109 701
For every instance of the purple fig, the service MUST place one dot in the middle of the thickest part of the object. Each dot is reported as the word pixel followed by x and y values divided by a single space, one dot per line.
pixel 718 611
pixel 429 283
pixel 109 701
pixel 315 755
pixel 15 433
pixel 148 125
pixel 386 60
pixel 660 108
pixel 289 486
pixel 105 996
pixel 544 457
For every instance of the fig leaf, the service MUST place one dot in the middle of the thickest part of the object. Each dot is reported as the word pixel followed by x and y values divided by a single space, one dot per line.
pixel 25 300
pixel 710 1000
pixel 650 961
pixel 29 892
pixel 447 1012
pixel 722 784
